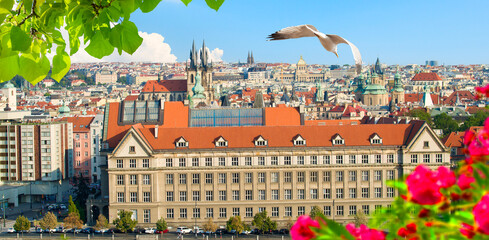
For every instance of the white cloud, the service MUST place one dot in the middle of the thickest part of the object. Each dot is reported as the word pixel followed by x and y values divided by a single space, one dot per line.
pixel 216 55
pixel 153 49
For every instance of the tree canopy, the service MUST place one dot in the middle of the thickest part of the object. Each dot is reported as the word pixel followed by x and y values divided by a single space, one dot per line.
pixel 263 222
pixel 73 221
pixel 125 222
pixel 102 222
pixel 31 29
pixel 49 221
pixel 210 226
pixel 235 223
pixel 161 224
pixel 22 224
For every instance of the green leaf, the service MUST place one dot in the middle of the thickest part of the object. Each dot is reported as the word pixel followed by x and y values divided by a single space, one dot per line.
pixel 214 4
pixel 7 4
pixel 125 37
pixel 20 40
pixel 186 2
pixel 99 47
pixel 401 186
pixel 127 7
pixel 338 229
pixel 61 65
pixel 9 67
pixel 149 5
pixel 33 69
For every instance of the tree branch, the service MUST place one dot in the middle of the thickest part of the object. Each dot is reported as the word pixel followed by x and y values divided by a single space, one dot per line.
pixel 32 14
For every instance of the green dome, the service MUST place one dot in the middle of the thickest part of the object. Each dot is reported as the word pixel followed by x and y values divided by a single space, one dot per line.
pixel 64 109
pixel 198 89
pixel 8 85
pixel 397 76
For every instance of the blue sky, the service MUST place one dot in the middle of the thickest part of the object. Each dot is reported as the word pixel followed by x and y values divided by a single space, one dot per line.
pixel 398 32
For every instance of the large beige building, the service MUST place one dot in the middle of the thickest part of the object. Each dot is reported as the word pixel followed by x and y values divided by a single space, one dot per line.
pixel 188 174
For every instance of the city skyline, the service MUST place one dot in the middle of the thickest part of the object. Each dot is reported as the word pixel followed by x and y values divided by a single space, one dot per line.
pixel 397 33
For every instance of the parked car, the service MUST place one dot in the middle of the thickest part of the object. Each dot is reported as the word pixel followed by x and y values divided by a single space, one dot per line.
pixel 60 230
pixel 284 231
pixel 221 231
pixel 87 230
pixel 209 232
pixel 183 230
pixel 62 207
pixel 103 230
pixel 50 230
pixel 197 230
pixel 39 230
pixel 149 230
pixel 11 230
pixel 160 232
pixel 73 230
pixel 138 230
pixel 246 232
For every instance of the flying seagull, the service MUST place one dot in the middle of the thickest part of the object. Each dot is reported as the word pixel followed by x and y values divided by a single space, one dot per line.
pixel 329 42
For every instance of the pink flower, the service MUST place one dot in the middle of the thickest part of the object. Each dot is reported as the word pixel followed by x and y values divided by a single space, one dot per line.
pixel 467 230
pixel 364 233
pixel 481 211
pixel 464 181
pixel 302 228
pixel 424 185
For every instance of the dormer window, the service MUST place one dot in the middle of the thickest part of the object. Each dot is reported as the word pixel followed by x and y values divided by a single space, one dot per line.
pixel 260 141
pixel 375 139
pixel 299 140
pixel 338 140
pixel 181 142
pixel 221 142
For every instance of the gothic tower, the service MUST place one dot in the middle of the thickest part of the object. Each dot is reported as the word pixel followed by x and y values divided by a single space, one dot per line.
pixel 397 92
pixel 204 68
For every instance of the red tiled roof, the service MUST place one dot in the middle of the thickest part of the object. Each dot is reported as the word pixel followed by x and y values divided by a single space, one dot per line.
pixel 80 124
pixel 131 98
pixel 475 109
pixel 165 86
pixel 416 98
pixel 331 122
pixel 462 95
pixel 431 76
pixel 454 139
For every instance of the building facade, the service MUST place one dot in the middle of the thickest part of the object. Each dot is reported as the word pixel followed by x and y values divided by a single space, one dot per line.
pixel 82 143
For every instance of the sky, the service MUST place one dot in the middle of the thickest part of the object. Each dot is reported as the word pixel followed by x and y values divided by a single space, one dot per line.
pixel 397 32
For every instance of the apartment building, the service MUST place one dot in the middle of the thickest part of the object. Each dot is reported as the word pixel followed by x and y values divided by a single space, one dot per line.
pixel 188 174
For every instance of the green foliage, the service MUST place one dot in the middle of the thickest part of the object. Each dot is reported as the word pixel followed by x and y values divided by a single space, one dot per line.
pixel 475 120
pixel 446 123
pixel 122 80
pixel 263 222
pixel 103 223
pixel 330 229
pixel 210 225
pixel 289 223
pixel 360 218
pixel 49 221
pixel 235 223
pixel 22 224
pixel 72 207
pixel 422 115
pixel 316 212
pixel 82 192
pixel 124 222
pixel 32 28
pixel 73 221
pixel 161 224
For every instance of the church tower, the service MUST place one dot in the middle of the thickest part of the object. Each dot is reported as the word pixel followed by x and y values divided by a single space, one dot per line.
pixel 397 92
pixel 204 68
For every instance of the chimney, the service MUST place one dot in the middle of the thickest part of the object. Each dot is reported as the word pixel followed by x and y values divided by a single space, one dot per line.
pixel 156 131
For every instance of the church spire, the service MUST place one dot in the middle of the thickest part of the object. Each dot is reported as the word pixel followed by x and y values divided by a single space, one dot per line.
pixel 193 57
pixel 203 55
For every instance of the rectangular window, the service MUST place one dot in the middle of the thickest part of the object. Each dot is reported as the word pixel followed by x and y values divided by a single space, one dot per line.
pixel 235 177
pixel 366 209
pixel 169 178
pixel 120 197
pixel 300 176
pixel 169 196
pixel 365 175
pixel 439 158
pixel 390 158
pixel 236 211
pixel 390 175
pixel 183 213
pixel 300 160
pixel 353 193
pixel 195 196
pixel 365 192
pixel 339 193
pixel 365 159
pixel 120 163
pixel 183 196
pixel 195 162
pixel 353 210
pixel 390 192
pixel 327 176
pixel 352 176
pixel 327 193
pixel 377 208
pixel 146 196
pixel 378 192
pixel 209 213
pixel 120 179
pixel 209 195
pixel 339 176
pixel 426 158
pixel 169 162
pixel 132 163
pixel 353 159
pixel 234 161
pixel 287 194
pixel 196 213
pixel 314 176
pixel 182 162
pixel 145 163
pixel 274 177
pixel 133 179
pixel 274 160
pixel 378 175
pixel 222 196
pixel 208 162
pixel 261 161
pixel 326 159
pixel 248 177
pixel 288 211
pixel 222 161
pixel 146 215
pixel 146 179
pixel 248 161
pixel 301 210
pixel 339 210
pixel 134 196
pixel 169 213
pixel 222 212
pixel 314 193
pixel 275 212
pixel 287 176
pixel 249 195
pixel 314 160
pixel 249 212
pixel 339 159
pixel 275 194
pixel 287 160
pixel 209 178
pixel 327 210
pixel 183 178
pixel 235 195
pixel 378 158
pixel 262 195
pixel 196 178
pixel 261 177
pixel 414 158
pixel 222 177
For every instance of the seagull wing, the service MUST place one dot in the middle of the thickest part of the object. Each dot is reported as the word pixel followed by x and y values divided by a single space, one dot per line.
pixel 293 32
pixel 356 53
